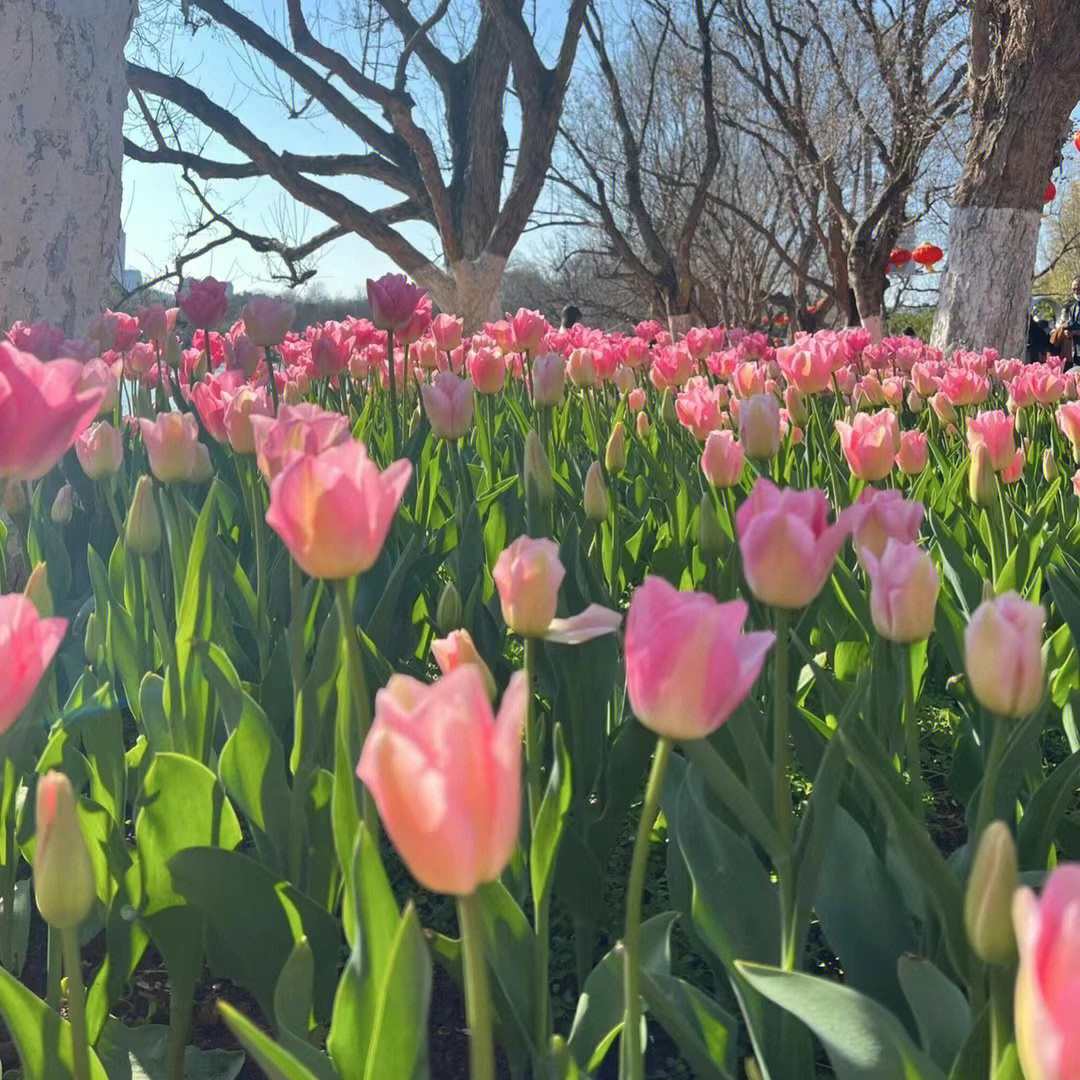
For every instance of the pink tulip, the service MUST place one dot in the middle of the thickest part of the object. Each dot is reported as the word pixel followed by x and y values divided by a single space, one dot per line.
pixel 913 452
pixel 448 402
pixel 788 547
pixel 446 329
pixel 487 369
pixel 173 447
pixel 643 424
pixel 1015 469
pixel 28 644
pixel 1003 655
pixel 529 328
pixel 808 364
pixel 960 386
pixel 43 409
pixel 625 379
pixel 581 367
pixel 42 340
pixel 242 407
pixel 878 515
pixel 635 400
pixel 333 509
pixel 418 325
pixel 995 431
pixel 446 776
pixel 698 408
pixel 870 444
pixel 295 431
pixel 548 378
pixel 205 303
pixel 759 425
pixel 97 374
pixel 267 319
pixel 1048 980
pixel 156 322
pixel 688 664
pixel 1076 482
pixel 393 299
pixel 904 587
pixel 722 459
pixel 100 450
pixel 1068 420
pixel 458 649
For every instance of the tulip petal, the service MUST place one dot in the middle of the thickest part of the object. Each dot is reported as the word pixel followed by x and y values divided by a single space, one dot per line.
pixel 593 622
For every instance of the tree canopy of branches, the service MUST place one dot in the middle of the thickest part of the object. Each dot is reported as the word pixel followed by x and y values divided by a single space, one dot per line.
pixel 421 91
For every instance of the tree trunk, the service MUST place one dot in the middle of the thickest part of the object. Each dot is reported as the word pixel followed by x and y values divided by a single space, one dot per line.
pixel 868 282
pixel 62 96
pixel 1024 81
pixel 471 290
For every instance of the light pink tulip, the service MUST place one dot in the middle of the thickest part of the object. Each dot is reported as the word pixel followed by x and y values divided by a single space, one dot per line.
pixel 1048 980
pixel 1015 469
pixel 28 644
pixel 549 377
pixel 43 409
pixel 446 776
pixel 295 431
pixel 241 409
pixel 788 546
pixel 759 425
pixel 333 509
pixel 1068 420
pixel 529 328
pixel 100 450
pixel 1003 655
pixel 722 460
pixel 581 367
pixel 904 587
pixel 913 452
pixel 688 664
pixel 635 400
pixel 267 319
pixel 448 402
pixel 809 363
pixel 994 430
pixel 173 447
pixel 458 649
pixel 878 515
pixel 446 329
pixel 870 443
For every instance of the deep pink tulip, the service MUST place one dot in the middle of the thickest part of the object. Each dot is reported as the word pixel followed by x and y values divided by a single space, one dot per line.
pixel 295 431
pixel 447 329
pixel 698 408
pixel 449 401
pixel 333 509
pixel 393 299
pixel 487 369
pixel 100 450
pixel 205 303
pixel 994 429
pixel 1048 980
pixel 788 546
pixel 878 515
pixel 174 450
pixel 722 460
pixel 28 644
pixel 809 363
pixel 445 774
pixel 904 587
pixel 43 409
pixel 529 328
pixel 156 322
pixel 870 443
pixel 688 664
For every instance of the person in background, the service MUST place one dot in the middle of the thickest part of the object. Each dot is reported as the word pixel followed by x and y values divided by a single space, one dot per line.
pixel 1067 330
pixel 1038 341
pixel 571 316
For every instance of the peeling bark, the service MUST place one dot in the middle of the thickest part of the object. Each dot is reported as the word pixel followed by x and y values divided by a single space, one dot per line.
pixel 62 95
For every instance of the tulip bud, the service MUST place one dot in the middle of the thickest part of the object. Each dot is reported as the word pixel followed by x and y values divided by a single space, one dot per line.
pixel 37 591
pixel 448 611
pixel 988 899
pixel 915 401
pixel 710 535
pixel 1049 466
pixel 1021 422
pixel 142 531
pixel 667 409
pixel 759 426
pixel 981 477
pixel 643 424
pixel 615 453
pixel 795 402
pixel 14 503
pixel 173 357
pixel 63 872
pixel 93 641
pixel 597 503
pixel 539 484
pixel 1003 655
pixel 62 506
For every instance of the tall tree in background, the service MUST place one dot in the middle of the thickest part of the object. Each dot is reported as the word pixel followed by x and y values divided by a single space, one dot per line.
pixel 62 94
pixel 1023 81
pixel 392 64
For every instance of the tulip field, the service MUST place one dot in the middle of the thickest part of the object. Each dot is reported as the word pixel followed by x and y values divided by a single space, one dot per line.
pixel 625 706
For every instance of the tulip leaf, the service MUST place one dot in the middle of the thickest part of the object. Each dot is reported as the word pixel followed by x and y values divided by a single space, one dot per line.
pixel 863 1040
pixel 41 1036
pixel 141 1053
pixel 941 1011
pixel 550 820
pixel 274 1060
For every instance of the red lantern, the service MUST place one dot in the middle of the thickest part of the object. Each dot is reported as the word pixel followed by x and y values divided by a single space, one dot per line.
pixel 927 254
pixel 1051 191
pixel 899 256
pixel 1076 140
pixel 781 320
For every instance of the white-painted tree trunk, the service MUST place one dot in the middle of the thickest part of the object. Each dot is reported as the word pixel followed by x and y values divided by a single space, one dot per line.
pixel 471 290
pixel 985 293
pixel 63 91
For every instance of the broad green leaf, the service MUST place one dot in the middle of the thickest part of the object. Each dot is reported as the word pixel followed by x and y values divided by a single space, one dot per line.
pixel 141 1053
pixel 941 1011
pixel 551 819
pixel 274 1060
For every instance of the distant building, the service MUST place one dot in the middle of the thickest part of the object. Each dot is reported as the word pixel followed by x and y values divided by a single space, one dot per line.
pixel 126 279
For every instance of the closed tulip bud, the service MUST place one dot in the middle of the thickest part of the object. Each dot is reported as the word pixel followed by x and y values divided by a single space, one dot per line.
pixel 448 611
pixel 548 379
pixel 1003 655
pixel 903 592
pixel 539 483
pixel 63 873
pixel 173 354
pixel 1022 421
pixel 643 424
pixel 795 402
pixel 93 641
pixel 981 477
pixel 915 401
pixel 943 408
pixel 759 426
pixel 668 412
pixel 1050 466
pixel 14 503
pixel 988 899
pixel 37 591
pixel 63 506
pixel 710 535
pixel 142 532
pixel 625 379
pixel 597 503
pixel 615 452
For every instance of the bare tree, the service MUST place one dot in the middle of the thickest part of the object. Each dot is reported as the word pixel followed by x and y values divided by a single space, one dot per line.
pixel 422 89
pixel 1023 81
pixel 858 91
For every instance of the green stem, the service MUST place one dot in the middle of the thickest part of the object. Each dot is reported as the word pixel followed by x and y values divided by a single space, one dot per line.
pixel 995 754
pixel 181 1007
pixel 7 898
pixel 477 992
pixel 1001 986
pixel 272 382
pixel 354 668
pixel 80 1048
pixel 532 741
pixel 631 1058
pixel 54 962
pixel 781 783
pixel 394 421
pixel 910 723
